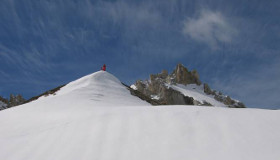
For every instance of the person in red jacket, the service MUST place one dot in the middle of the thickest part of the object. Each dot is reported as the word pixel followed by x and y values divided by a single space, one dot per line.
pixel 104 67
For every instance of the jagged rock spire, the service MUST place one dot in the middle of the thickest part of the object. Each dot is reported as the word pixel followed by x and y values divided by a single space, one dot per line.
pixel 183 76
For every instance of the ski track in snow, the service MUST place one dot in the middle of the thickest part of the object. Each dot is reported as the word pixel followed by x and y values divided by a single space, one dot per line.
pixel 86 121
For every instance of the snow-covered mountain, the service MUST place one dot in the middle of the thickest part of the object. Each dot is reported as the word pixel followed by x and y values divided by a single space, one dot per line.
pixel 183 87
pixel 97 89
pixel 96 118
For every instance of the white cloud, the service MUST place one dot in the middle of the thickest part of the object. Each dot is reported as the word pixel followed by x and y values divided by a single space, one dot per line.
pixel 211 28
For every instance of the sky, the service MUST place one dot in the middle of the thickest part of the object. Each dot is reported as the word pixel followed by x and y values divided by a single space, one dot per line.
pixel 233 44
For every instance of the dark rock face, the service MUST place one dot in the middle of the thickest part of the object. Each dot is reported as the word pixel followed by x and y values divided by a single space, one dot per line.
pixel 158 85
pixel 207 89
pixel 142 96
pixel 239 105
pixel 229 101
pixel 171 96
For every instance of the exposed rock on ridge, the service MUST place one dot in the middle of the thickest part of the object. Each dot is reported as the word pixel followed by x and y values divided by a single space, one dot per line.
pixel 14 100
pixel 3 103
pixel 52 92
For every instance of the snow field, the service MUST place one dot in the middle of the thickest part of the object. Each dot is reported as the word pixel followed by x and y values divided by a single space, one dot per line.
pixel 96 118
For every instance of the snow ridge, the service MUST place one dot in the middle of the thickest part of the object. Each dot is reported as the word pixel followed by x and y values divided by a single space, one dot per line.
pixel 98 89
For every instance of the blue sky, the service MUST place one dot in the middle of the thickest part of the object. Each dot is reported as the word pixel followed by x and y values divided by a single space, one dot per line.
pixel 233 44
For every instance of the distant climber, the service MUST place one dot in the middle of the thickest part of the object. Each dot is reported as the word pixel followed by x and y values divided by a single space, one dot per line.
pixel 104 67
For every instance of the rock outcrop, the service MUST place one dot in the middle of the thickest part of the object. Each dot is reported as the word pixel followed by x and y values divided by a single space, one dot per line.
pixel 171 96
pixel 4 100
pixel 158 88
pixel 3 103
pixel 183 76
pixel 47 93
pixel 14 100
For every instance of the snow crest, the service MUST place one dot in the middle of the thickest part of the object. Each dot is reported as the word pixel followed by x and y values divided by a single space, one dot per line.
pixel 98 80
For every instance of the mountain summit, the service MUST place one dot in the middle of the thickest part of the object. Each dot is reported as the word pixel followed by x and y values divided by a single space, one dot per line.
pixel 97 89
pixel 183 87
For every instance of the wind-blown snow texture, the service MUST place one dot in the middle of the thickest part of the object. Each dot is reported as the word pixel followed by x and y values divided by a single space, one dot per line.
pixel 96 118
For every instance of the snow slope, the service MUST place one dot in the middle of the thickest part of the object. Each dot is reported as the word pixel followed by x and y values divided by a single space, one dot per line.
pixel 197 92
pixel 96 118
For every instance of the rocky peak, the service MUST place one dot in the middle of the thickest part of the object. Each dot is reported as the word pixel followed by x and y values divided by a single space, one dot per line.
pixel 156 85
pixel 180 75
pixel 183 76
pixel 163 75
pixel 159 87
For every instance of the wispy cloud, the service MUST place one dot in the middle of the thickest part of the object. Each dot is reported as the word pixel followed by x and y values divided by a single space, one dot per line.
pixel 211 28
